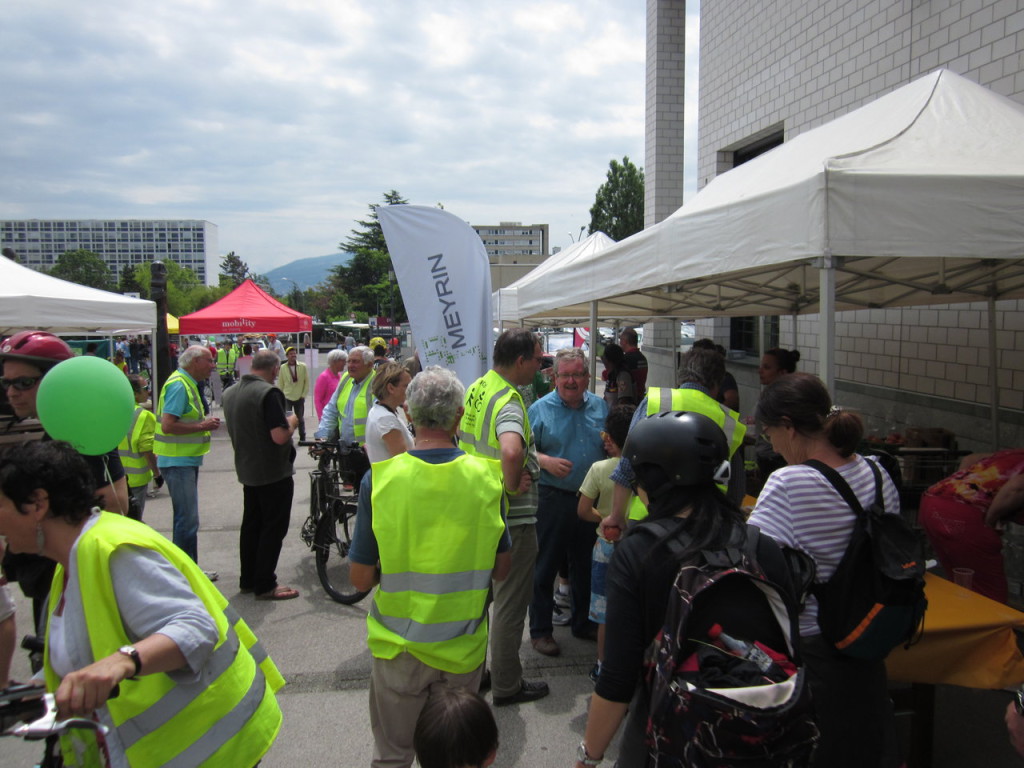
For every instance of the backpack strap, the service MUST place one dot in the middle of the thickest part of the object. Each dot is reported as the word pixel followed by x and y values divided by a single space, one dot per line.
pixel 843 488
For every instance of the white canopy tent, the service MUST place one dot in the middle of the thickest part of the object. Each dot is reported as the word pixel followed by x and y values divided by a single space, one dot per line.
pixel 505 301
pixel 916 198
pixel 30 299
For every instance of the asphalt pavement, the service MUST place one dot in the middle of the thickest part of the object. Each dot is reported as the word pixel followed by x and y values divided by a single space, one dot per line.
pixel 320 647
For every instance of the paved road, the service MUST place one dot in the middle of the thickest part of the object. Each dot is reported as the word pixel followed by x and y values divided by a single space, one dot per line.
pixel 320 646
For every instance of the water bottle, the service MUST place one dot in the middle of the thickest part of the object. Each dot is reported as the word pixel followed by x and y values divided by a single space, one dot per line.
pixel 741 648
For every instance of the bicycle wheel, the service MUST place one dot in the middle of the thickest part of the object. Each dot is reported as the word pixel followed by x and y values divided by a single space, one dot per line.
pixel 333 537
pixel 308 531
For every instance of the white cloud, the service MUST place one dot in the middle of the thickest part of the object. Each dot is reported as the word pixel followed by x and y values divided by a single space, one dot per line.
pixel 281 120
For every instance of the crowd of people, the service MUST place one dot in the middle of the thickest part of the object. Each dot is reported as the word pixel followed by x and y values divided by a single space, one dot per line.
pixel 477 503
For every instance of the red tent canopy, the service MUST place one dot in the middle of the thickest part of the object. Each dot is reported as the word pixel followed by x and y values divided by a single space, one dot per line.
pixel 247 309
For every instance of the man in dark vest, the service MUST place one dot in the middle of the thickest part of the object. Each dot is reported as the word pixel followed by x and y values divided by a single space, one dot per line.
pixel 261 434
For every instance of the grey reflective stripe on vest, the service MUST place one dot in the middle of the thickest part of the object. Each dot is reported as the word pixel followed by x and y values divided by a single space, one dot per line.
pixel 415 632
pixel 179 697
pixel 135 421
pixel 435 583
pixel 130 454
pixel 195 437
pixel 729 426
pixel 367 395
pixel 482 446
pixel 226 728
pixel 256 650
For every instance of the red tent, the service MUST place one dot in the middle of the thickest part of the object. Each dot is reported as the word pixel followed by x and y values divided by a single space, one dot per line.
pixel 247 309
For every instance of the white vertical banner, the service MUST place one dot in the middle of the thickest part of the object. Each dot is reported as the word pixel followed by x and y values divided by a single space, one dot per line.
pixel 445 279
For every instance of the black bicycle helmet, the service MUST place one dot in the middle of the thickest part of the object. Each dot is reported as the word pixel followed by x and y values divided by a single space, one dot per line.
pixel 678 448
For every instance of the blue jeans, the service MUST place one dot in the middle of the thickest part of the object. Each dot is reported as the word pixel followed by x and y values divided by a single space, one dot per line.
pixel 183 485
pixel 560 532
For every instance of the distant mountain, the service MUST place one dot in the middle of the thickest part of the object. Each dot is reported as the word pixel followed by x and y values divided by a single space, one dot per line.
pixel 305 272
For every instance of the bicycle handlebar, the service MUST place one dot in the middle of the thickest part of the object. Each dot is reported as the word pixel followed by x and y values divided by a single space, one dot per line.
pixel 19 702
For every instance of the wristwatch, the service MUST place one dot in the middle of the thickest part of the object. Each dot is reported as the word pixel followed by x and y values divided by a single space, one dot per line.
pixel 133 654
pixel 584 757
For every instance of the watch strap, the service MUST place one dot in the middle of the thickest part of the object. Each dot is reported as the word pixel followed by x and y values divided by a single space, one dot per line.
pixel 132 653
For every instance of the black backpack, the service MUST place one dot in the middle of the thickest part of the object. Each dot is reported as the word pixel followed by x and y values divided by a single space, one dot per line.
pixel 875 599
pixel 710 708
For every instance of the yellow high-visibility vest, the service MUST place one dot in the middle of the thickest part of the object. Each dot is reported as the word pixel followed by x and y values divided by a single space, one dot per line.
pixel 229 719
pixel 436 564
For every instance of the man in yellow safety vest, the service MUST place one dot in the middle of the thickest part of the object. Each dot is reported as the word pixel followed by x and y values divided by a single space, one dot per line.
pixel 495 426
pixel 430 532
pixel 344 416
pixel 182 439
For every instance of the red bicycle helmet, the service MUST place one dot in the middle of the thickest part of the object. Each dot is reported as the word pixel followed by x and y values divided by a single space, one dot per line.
pixel 37 347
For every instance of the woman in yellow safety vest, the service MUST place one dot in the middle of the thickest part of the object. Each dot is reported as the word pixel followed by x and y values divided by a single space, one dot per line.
pixel 129 609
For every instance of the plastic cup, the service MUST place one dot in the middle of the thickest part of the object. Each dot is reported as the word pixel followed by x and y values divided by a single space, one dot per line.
pixel 963 577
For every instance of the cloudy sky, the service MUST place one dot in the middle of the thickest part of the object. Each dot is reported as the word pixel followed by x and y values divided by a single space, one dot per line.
pixel 281 120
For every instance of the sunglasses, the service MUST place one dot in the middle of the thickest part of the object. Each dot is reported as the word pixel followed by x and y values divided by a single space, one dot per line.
pixel 20 383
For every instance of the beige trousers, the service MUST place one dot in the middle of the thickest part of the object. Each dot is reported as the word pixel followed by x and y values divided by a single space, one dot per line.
pixel 399 688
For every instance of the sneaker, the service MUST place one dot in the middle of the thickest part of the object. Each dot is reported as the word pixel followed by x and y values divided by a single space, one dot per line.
pixel 562 599
pixel 545 645
pixel 527 692
pixel 559 617
pixel 211 575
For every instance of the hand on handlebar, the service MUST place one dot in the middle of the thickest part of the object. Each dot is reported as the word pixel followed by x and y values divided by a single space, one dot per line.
pixel 86 689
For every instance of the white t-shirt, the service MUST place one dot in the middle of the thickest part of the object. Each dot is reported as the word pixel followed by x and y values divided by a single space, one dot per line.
pixel 380 421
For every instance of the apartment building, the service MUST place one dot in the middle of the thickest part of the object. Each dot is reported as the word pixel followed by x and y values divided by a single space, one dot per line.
pixel 513 249
pixel 121 243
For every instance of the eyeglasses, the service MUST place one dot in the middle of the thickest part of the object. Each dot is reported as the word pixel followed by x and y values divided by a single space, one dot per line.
pixel 21 383
pixel 574 376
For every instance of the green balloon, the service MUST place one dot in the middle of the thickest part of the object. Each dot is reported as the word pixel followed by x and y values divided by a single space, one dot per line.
pixel 88 402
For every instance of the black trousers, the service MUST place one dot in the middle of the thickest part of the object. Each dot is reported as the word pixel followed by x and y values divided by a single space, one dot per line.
pixel 299 409
pixel 852 708
pixel 265 516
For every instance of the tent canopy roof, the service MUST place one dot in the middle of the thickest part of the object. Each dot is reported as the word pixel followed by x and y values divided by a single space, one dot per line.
pixel 30 299
pixel 915 198
pixel 247 309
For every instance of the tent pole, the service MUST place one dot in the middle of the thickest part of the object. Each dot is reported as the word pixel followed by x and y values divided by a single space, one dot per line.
pixel 993 372
pixel 827 322
pixel 593 346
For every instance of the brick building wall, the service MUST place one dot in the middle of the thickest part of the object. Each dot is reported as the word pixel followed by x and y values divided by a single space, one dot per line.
pixel 788 66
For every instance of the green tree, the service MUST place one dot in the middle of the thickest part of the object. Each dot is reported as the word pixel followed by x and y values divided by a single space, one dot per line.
pixel 618 208
pixel 364 280
pixel 85 268
pixel 233 271
pixel 185 293
pixel 128 283
pixel 263 282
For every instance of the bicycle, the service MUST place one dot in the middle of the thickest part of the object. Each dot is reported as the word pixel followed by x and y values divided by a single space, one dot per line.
pixel 333 493
pixel 28 712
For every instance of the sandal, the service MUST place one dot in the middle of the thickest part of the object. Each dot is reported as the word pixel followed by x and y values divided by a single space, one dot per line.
pixel 279 593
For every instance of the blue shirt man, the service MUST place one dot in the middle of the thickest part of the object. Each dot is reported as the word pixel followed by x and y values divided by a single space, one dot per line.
pixel 182 472
pixel 567 426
